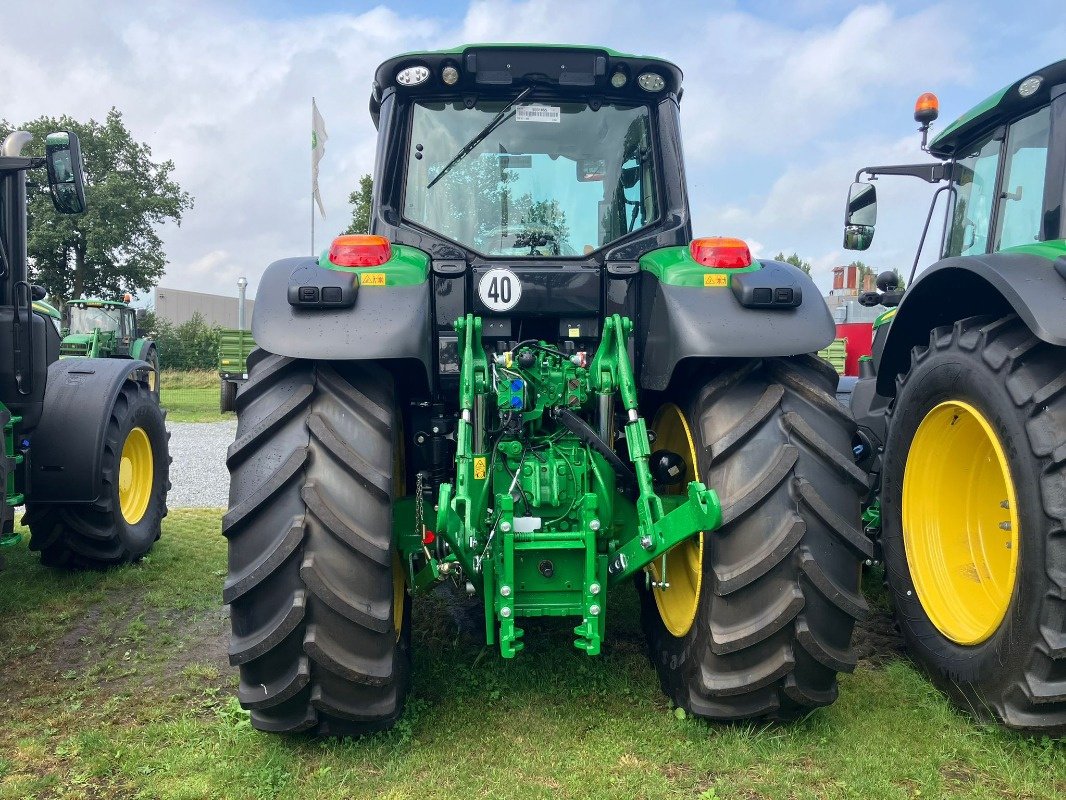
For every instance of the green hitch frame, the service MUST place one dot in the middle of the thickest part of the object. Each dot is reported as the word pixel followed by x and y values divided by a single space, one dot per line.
pixel 534 520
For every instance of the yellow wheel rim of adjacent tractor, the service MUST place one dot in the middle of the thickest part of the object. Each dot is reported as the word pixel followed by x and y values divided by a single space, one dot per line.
pixel 684 562
pixel 135 473
pixel 960 523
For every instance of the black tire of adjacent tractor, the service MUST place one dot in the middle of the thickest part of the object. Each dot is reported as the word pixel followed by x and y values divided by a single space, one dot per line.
pixel 311 589
pixel 1018 675
pixel 780 589
pixel 227 396
pixel 97 535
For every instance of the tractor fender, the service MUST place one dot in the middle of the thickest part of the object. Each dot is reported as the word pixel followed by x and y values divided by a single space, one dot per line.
pixel 691 322
pixel 384 323
pixel 141 347
pixel 66 450
pixel 1032 286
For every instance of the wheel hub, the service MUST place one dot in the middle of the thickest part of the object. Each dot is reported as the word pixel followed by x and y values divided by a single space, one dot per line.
pixel 135 476
pixel 677 587
pixel 960 523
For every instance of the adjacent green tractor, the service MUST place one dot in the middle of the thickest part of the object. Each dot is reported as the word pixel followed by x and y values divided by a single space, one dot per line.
pixel 962 408
pixel 95 328
pixel 85 446
pixel 522 384
pixel 234 347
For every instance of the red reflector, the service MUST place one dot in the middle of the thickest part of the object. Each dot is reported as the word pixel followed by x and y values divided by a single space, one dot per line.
pixel 428 537
pixel 719 252
pixel 357 250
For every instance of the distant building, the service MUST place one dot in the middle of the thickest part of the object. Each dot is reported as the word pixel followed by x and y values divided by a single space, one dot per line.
pixel 179 305
pixel 843 299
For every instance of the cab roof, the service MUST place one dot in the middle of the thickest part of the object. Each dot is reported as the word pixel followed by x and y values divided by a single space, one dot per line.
pixel 485 68
pixel 1006 104
pixel 96 301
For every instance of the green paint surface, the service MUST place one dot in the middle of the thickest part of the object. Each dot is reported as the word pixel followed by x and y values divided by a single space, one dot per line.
pixel 885 317
pixel 1051 249
pixel 49 310
pixel 941 144
pixel 676 266
pixel 407 266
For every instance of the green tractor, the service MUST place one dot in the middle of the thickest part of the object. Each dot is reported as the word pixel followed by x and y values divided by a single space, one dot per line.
pixel 85 446
pixel 95 328
pixel 522 383
pixel 962 408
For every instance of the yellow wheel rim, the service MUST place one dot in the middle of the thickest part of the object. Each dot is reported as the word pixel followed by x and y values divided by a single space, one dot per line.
pixel 960 523
pixel 135 475
pixel 397 594
pixel 684 563
pixel 151 379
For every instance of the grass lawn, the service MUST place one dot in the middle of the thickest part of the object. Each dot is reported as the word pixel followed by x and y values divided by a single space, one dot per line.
pixel 191 396
pixel 116 685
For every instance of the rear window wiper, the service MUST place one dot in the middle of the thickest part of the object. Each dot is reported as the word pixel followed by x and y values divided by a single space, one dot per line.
pixel 494 123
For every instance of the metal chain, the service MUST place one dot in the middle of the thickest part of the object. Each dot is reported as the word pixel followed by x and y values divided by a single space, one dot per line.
pixel 420 522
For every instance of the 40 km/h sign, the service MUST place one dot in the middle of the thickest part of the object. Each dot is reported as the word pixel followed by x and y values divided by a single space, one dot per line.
pixel 499 289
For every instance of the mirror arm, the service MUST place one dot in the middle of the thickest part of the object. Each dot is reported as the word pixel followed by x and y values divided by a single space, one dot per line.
pixel 931 173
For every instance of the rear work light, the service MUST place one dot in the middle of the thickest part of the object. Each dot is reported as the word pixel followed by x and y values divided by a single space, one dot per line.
pixel 357 250
pixel 718 252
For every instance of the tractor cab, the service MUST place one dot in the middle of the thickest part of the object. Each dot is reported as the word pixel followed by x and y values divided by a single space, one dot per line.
pixel 98 328
pixel 1001 174
pixel 533 177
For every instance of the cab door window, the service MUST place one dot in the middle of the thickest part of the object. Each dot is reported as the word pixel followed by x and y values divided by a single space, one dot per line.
pixel 1021 196
pixel 975 182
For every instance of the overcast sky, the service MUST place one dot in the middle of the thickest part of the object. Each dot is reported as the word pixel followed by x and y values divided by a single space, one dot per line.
pixel 784 101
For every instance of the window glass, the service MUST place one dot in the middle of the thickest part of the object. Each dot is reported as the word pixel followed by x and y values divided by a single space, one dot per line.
pixel 976 184
pixel 550 180
pixel 1022 196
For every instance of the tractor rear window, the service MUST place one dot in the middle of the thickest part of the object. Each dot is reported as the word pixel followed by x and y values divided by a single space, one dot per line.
pixel 549 179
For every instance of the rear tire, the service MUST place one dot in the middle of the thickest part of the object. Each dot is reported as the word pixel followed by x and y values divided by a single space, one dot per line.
pixel 779 593
pixel 320 626
pixel 1016 673
pixel 227 396
pixel 120 527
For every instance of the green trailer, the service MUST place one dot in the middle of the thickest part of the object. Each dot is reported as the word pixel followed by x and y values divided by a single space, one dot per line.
pixel 97 328
pixel 234 347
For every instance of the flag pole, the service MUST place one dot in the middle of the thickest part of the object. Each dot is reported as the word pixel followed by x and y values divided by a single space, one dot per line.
pixel 312 181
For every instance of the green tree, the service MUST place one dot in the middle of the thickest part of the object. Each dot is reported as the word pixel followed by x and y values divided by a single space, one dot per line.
pixel 114 247
pixel 191 345
pixel 361 200
pixel 795 261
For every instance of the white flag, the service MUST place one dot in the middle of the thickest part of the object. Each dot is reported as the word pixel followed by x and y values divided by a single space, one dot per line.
pixel 318 149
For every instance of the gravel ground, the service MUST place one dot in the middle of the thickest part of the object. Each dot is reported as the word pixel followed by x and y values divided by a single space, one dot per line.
pixel 198 475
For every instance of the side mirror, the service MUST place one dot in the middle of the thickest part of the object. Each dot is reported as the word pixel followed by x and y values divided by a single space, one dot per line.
pixel 860 216
pixel 65 178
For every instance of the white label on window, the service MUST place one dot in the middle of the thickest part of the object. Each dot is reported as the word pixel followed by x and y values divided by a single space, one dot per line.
pixel 537 113
pixel 499 289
